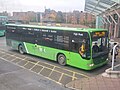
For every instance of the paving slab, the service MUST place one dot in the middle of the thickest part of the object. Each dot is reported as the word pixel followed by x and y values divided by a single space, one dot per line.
pixel 95 83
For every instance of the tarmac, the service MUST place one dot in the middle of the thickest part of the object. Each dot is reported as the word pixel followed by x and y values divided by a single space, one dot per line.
pixel 109 80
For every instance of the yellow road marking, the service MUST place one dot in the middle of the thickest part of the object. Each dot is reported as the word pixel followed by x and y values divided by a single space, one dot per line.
pixel 32 71
pixel 51 71
pixel 26 63
pixel 34 65
pixel 41 70
pixel 60 77
pixel 73 76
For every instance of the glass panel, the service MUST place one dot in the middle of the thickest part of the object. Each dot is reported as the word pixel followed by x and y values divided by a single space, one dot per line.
pixel 81 44
pixel 99 45
pixel 84 49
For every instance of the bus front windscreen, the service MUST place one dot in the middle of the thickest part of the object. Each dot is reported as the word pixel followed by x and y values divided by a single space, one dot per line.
pixel 99 44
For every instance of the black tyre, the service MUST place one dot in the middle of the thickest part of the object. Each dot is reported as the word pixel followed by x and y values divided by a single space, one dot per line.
pixel 20 48
pixel 61 59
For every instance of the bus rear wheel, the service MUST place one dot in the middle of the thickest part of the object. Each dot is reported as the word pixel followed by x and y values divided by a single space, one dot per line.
pixel 20 49
pixel 61 59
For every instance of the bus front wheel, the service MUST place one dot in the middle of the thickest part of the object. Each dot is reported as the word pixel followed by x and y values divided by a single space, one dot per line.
pixel 20 48
pixel 61 59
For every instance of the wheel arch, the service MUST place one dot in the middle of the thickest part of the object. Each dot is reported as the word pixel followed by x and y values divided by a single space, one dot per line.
pixel 21 44
pixel 58 55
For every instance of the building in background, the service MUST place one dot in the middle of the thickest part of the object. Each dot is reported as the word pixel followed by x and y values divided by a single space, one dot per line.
pixel 4 13
pixel 51 16
pixel 29 16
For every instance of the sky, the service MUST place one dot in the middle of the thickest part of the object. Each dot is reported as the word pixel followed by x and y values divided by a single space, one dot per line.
pixel 39 5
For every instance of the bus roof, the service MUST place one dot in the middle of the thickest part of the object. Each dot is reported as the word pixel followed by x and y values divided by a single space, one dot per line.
pixel 58 28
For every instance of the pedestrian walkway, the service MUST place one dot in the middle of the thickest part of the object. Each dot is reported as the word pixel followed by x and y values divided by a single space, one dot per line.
pixel 99 82
pixel 95 83
pixel 115 73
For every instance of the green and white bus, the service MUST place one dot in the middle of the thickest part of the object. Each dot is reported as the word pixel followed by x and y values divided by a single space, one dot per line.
pixel 3 21
pixel 71 46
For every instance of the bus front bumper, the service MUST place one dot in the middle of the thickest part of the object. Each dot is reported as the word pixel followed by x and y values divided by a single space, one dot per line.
pixel 93 66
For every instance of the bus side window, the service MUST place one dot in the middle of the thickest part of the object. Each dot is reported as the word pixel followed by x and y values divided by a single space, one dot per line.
pixel 74 46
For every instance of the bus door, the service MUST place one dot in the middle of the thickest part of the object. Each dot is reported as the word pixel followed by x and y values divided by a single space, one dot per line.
pixel 74 55
pixel 37 43
pixel 30 39
pixel 47 43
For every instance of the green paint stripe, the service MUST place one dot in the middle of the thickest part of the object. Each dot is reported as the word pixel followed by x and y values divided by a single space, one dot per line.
pixel 25 47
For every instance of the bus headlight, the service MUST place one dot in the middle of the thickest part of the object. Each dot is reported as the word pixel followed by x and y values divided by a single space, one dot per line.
pixel 91 65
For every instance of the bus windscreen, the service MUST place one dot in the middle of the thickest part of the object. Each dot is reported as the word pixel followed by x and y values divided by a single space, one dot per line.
pixel 99 43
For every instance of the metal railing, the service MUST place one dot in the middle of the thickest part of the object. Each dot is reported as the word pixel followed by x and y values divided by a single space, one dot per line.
pixel 113 57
